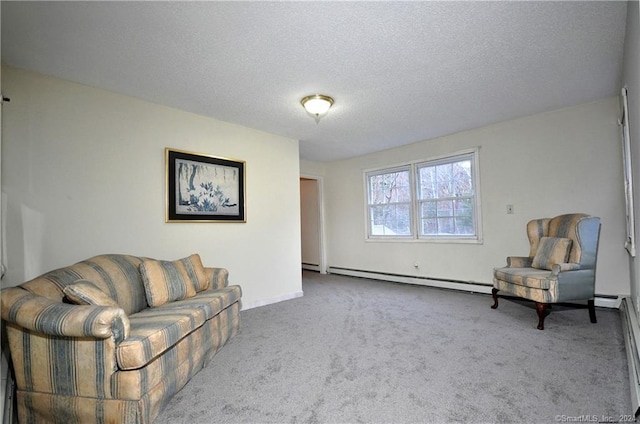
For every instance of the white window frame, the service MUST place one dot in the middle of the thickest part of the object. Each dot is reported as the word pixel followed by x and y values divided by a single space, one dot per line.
pixel 408 168
pixel 413 166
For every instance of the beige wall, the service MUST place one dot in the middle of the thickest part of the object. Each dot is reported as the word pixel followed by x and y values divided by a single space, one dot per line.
pixel 83 172
pixel 557 162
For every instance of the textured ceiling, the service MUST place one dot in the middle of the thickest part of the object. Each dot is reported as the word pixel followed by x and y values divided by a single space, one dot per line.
pixel 400 72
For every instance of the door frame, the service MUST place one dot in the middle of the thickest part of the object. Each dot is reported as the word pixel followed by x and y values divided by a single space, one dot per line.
pixel 321 236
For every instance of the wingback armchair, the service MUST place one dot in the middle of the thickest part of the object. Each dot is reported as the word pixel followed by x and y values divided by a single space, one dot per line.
pixel 561 266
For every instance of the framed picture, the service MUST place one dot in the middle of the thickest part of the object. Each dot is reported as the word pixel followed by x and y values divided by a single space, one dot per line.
pixel 204 188
pixel 630 243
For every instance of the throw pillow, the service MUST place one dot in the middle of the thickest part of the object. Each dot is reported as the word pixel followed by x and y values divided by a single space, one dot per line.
pixel 84 292
pixel 551 251
pixel 196 271
pixel 166 281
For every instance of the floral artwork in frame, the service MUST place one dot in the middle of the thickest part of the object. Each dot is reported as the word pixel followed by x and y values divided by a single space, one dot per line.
pixel 204 188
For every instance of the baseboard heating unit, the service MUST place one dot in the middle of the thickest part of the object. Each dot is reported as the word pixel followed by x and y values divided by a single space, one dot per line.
pixel 470 286
pixel 631 339
pixel 603 301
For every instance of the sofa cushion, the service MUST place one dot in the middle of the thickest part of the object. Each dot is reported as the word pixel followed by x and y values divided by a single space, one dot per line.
pixel 191 350
pixel 551 251
pixel 213 301
pixel 155 330
pixel 166 281
pixel 84 292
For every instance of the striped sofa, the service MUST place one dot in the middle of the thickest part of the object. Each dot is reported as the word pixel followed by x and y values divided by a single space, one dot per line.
pixel 112 338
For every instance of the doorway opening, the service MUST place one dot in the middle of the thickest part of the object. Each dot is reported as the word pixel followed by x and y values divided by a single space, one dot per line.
pixel 311 223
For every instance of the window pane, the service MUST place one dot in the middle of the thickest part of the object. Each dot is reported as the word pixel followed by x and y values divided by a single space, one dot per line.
pixel 445 208
pixel 389 188
pixel 377 214
pixel 463 207
pixel 430 226
pixel 428 209
pixel 444 175
pixel 427 177
pixel 445 226
pixel 389 220
pixel 379 217
pixel 446 180
pixel 464 225
pixel 403 219
pixel 404 194
pixel 462 185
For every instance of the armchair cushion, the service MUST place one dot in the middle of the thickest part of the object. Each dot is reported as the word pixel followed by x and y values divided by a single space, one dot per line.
pixel 526 277
pixel 84 292
pixel 551 251
pixel 167 281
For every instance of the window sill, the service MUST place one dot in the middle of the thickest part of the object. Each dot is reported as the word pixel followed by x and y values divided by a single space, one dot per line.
pixel 424 240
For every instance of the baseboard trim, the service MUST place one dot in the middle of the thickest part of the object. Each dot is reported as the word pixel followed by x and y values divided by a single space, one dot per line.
pixel 311 267
pixel 272 300
pixel 631 329
pixel 603 301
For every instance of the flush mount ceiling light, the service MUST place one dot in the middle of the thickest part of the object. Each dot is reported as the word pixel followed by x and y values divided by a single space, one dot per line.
pixel 317 105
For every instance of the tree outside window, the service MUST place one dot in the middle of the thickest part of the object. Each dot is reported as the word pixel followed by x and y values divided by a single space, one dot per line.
pixel 390 203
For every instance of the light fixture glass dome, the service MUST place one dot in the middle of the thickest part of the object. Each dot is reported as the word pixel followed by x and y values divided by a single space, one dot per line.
pixel 317 105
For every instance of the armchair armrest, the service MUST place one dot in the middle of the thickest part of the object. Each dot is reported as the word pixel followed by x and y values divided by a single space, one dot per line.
pixel 519 262
pixel 43 315
pixel 558 268
pixel 219 277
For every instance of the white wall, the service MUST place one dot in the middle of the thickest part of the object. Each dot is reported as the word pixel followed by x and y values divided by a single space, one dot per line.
pixel 558 162
pixel 631 78
pixel 83 171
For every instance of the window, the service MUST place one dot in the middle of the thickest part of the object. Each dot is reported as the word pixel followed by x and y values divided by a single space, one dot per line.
pixel 440 193
pixel 390 202
pixel 446 197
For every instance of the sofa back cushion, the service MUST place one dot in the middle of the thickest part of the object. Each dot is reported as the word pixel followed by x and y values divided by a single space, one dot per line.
pixel 167 281
pixel 116 275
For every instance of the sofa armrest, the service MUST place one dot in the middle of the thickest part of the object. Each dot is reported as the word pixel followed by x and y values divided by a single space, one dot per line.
pixel 43 315
pixel 519 262
pixel 219 277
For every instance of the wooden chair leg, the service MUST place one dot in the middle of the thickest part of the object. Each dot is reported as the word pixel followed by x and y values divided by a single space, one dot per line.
pixel 494 293
pixel 592 310
pixel 542 312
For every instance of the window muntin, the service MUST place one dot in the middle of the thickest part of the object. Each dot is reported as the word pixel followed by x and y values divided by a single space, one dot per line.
pixel 432 200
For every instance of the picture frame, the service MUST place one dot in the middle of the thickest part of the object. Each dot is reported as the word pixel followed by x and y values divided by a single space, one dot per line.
pixel 204 188
pixel 630 242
